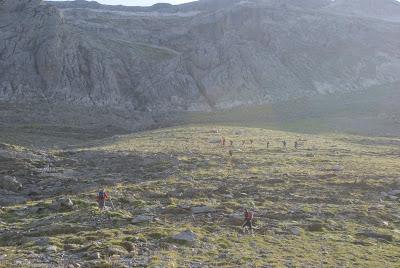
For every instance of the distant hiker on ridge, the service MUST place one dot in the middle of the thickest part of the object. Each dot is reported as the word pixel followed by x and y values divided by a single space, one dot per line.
pixel 284 144
pixel 267 144
pixel 223 140
pixel 296 144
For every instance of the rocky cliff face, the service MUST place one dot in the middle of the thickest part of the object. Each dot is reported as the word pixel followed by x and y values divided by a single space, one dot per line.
pixel 197 56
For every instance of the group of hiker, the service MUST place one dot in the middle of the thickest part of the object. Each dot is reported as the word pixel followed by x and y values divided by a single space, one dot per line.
pixel 251 141
pixel 103 196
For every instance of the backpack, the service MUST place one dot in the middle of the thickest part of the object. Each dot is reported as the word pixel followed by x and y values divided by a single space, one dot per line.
pixel 248 216
pixel 101 195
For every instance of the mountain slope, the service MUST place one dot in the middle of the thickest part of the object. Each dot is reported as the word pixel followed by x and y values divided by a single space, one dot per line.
pixel 197 56
pixel 379 9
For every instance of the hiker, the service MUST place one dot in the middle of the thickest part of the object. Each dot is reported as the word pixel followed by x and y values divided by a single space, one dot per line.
pixel 231 143
pixel 284 144
pixel 296 144
pixel 222 140
pixel 230 153
pixel 102 196
pixel 248 218
pixel 267 144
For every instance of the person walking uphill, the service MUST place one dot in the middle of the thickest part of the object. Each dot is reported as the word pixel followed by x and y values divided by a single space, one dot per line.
pixel 101 198
pixel 223 140
pixel 284 144
pixel 248 221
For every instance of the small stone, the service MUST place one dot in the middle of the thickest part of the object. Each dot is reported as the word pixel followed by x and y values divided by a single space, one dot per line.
pixel 243 166
pixel 295 230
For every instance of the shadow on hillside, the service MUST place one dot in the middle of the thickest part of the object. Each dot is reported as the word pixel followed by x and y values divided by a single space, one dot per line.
pixel 74 172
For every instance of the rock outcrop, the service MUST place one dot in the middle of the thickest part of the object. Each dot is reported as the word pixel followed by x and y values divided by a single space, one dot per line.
pixel 196 56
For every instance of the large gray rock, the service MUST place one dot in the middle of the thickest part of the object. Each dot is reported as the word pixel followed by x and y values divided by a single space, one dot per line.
pixel 10 183
pixel 142 219
pixel 203 209
pixel 186 236
pixel 62 203
pixel 394 192
pixel 372 234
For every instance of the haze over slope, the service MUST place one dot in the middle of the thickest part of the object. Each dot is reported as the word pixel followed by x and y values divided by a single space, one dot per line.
pixel 194 56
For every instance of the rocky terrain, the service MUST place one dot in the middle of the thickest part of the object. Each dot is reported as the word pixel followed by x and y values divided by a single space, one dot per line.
pixel 178 198
pixel 197 56
pixel 78 78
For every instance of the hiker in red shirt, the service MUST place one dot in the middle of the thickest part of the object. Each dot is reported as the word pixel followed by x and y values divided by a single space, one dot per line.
pixel 248 218
pixel 101 198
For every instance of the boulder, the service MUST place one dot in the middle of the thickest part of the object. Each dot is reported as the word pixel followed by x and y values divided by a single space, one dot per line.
pixel 394 193
pixel 203 209
pixel 62 203
pixel 186 236
pixel 214 140
pixel 315 227
pixel 337 168
pixel 116 250
pixel 141 219
pixel 12 200
pixel 10 183
pixel 371 234
pixel 52 249
pixel 275 181
pixel 236 219
pixel 384 194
